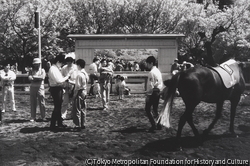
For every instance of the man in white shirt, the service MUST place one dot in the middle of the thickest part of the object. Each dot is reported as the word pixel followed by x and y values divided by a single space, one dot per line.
pixel 69 69
pixel 93 74
pixel 56 81
pixel 7 79
pixel 154 86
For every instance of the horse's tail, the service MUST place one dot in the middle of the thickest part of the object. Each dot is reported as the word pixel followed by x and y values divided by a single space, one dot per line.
pixel 164 116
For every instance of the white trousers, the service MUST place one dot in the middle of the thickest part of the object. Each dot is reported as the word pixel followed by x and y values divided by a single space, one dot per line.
pixel 8 91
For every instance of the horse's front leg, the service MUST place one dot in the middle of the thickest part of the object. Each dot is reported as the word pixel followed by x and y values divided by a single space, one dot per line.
pixel 217 117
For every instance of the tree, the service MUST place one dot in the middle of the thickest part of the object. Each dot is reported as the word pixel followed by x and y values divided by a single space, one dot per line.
pixel 19 37
pixel 210 26
pixel 207 27
pixel 17 32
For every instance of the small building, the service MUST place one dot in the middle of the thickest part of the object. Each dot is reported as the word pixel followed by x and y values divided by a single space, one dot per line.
pixel 165 43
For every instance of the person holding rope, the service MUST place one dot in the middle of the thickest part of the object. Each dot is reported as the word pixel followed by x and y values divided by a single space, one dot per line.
pixel 154 88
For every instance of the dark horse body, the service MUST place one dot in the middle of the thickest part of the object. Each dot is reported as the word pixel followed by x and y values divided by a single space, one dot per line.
pixel 203 84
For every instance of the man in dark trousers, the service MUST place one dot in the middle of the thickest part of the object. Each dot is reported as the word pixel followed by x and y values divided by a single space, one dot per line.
pixel 56 81
pixel 154 86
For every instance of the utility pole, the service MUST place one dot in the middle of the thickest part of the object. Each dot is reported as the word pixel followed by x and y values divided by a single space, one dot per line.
pixel 37 25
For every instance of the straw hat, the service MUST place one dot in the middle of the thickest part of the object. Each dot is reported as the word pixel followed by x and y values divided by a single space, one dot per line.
pixel 36 61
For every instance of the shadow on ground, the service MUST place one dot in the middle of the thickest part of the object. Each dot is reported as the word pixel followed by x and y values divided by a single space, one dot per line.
pixel 16 121
pixel 132 129
pixel 29 130
pixel 188 142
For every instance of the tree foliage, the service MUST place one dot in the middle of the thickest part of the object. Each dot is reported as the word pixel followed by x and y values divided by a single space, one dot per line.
pixel 211 27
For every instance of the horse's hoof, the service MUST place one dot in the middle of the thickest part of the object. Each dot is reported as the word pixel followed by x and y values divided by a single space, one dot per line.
pixel 235 135
pixel 232 134
pixel 178 148
pixel 199 139
pixel 205 132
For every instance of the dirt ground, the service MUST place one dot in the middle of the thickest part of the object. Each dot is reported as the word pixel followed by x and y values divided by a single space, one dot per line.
pixel 120 135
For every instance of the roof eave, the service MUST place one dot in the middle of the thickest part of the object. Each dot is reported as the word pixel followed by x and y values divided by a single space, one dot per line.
pixel 123 36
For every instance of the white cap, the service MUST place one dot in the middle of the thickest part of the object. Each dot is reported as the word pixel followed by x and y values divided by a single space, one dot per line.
pixel 71 54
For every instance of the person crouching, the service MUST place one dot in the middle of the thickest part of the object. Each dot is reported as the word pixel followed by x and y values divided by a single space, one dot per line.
pixel 80 93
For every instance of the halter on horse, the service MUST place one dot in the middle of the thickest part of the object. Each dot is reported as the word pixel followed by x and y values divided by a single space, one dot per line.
pixel 202 84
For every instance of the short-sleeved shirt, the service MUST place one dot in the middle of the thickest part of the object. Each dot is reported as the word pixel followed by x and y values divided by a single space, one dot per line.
pixel 81 82
pixel 40 83
pixel 154 80
pixel 93 69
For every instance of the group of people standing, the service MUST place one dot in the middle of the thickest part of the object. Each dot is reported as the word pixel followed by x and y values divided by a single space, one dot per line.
pixel 62 82
pixel 8 77
pixel 101 71
pixel 68 84
pixel 177 67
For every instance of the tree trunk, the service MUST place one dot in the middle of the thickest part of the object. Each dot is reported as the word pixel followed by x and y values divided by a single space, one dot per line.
pixel 209 58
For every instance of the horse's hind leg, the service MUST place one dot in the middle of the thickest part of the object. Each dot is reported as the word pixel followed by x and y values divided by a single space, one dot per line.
pixel 234 103
pixel 187 116
pixel 191 123
pixel 182 122
pixel 217 117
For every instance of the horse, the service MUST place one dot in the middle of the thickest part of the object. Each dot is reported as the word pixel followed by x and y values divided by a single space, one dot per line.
pixel 198 84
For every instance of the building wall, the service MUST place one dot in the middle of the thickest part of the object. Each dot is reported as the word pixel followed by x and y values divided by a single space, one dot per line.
pixel 166 55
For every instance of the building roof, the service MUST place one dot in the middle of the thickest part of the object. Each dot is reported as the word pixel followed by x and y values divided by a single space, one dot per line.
pixel 123 36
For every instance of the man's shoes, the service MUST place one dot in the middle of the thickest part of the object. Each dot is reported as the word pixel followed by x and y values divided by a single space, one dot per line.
pixel 83 127
pixel 3 111
pixel 14 110
pixel 52 127
pixel 77 128
pixel 44 120
pixel 32 120
pixel 152 129
pixel 105 109
pixel 62 125
pixel 158 126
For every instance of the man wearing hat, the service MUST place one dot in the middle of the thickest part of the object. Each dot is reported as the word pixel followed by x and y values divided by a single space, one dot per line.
pixel 37 76
pixel 175 68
